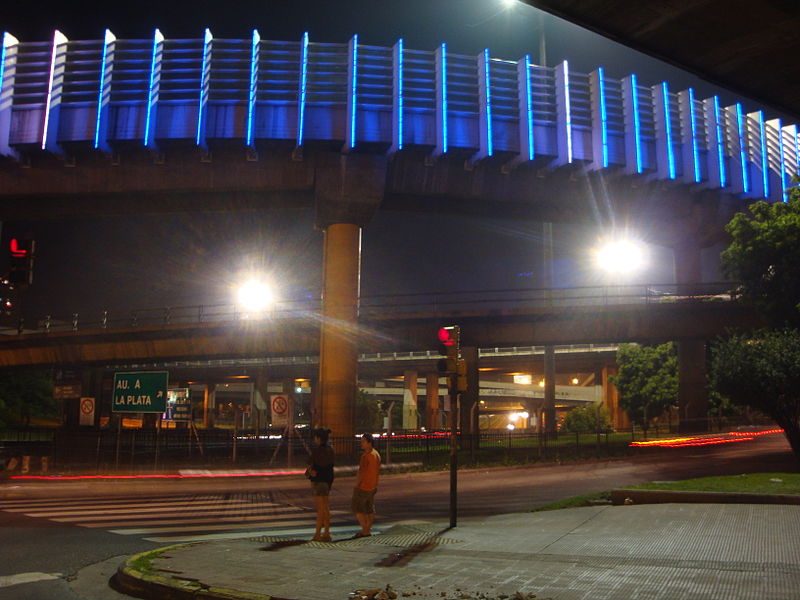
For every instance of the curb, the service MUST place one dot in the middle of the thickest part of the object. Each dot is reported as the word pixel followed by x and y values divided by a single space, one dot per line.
pixel 134 582
pixel 664 496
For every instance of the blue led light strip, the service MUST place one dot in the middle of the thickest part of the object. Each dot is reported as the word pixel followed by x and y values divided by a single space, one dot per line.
pixel 568 111
pixel 637 126
pixel 351 142
pixel 762 135
pixel 529 107
pixel 487 82
pixel 779 129
pixel 205 73
pixel 151 92
pixel 400 94
pixel 723 179
pixel 742 149
pixel 251 97
pixel 668 130
pixel 109 39
pixel 58 38
pixel 443 107
pixel 301 108
pixel 693 127
pixel 603 115
pixel 8 41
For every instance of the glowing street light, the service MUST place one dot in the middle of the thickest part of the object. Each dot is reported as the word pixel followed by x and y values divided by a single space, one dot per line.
pixel 621 257
pixel 255 296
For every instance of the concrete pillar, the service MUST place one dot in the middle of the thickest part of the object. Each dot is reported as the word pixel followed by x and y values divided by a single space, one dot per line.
pixel 550 388
pixel 209 403
pixel 348 189
pixel 688 267
pixel 470 399
pixel 692 392
pixel 410 420
pixel 433 420
pixel 338 363
pixel 619 418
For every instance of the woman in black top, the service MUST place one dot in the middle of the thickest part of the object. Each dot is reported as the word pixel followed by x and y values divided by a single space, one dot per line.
pixel 320 472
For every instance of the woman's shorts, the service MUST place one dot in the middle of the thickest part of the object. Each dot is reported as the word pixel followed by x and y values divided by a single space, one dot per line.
pixel 321 488
pixel 364 501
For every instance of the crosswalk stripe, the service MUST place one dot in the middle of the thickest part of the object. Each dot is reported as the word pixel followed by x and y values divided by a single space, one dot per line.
pixel 185 517
pixel 224 518
pixel 139 508
pixel 178 529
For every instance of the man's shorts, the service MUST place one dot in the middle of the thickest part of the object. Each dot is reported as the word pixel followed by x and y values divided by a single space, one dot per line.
pixel 364 501
pixel 320 488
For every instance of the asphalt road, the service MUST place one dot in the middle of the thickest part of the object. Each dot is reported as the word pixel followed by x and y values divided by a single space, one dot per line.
pixel 52 556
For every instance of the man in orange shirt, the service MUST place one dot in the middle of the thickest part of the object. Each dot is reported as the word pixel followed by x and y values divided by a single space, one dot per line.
pixel 366 485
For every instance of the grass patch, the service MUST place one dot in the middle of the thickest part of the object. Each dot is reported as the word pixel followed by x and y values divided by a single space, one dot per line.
pixel 752 483
pixel 143 562
pixel 577 501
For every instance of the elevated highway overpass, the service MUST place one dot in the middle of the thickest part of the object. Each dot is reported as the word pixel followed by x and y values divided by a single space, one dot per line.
pixel 112 126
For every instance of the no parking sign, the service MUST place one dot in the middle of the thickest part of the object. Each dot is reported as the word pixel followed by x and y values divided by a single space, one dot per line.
pixel 279 404
pixel 87 411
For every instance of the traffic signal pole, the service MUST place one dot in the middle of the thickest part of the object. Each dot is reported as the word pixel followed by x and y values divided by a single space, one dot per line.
pixel 453 367
pixel 454 419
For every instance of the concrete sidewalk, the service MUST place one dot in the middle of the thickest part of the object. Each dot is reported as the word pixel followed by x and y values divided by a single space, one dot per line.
pixel 653 551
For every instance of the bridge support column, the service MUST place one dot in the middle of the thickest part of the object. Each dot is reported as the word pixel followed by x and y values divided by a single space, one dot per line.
pixel 470 399
pixel 550 389
pixel 692 392
pixel 338 362
pixel 410 420
pixel 209 404
pixel 347 191
pixel 619 418
pixel 433 420
pixel 688 267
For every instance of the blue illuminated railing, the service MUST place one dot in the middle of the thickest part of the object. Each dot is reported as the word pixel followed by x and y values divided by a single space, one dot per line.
pixel 61 96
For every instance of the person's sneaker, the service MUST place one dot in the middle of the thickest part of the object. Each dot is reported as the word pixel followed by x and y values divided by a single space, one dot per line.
pixel 360 535
pixel 324 538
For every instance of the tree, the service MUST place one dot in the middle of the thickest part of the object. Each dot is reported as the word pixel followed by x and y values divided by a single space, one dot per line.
pixel 368 412
pixel 587 418
pixel 24 395
pixel 762 370
pixel 647 380
pixel 764 258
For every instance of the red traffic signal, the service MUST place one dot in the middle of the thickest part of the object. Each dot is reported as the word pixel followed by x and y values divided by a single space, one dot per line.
pixel 20 250
pixel 22 254
pixel 448 336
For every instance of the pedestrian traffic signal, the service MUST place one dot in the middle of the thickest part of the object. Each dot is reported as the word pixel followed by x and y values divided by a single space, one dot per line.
pixel 449 347
pixel 21 255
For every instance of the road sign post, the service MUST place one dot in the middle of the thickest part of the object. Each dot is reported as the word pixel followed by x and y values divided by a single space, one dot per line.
pixel 140 392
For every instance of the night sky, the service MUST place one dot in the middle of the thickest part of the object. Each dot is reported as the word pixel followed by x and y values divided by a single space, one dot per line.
pixel 115 263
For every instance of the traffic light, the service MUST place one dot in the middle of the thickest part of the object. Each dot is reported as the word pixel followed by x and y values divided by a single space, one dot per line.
pixel 449 347
pixel 22 253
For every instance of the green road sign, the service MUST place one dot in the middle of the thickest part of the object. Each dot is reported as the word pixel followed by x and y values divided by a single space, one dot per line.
pixel 142 392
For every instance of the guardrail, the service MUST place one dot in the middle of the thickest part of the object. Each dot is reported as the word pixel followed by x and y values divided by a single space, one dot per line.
pixel 438 303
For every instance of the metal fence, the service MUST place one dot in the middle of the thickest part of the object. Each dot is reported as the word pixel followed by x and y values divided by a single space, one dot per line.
pixel 132 451
pixel 384 305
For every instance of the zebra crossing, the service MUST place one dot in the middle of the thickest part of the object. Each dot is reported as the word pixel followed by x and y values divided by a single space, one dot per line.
pixel 183 518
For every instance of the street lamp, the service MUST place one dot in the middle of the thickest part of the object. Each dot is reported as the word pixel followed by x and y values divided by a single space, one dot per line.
pixel 255 295
pixel 621 257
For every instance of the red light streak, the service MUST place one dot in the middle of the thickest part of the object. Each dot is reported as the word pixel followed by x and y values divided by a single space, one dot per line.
pixel 725 438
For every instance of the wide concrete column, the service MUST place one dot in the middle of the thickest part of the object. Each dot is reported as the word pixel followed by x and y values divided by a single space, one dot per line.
pixel 692 388
pixel 550 388
pixel 688 267
pixel 432 409
pixel 209 403
pixel 470 399
pixel 692 392
pixel 619 418
pixel 410 420
pixel 338 357
pixel 348 189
